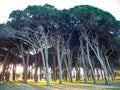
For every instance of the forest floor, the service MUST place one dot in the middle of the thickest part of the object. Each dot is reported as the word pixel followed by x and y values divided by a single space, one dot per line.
pixel 115 85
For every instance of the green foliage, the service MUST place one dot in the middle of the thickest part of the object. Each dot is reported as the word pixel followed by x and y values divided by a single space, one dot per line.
pixel 67 21
pixel 2 26
pixel 16 14
pixel 118 23
pixel 86 11
pixel 117 40
pixel 45 9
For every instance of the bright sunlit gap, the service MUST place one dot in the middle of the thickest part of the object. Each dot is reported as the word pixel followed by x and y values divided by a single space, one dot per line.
pixel 7 6
pixel 31 69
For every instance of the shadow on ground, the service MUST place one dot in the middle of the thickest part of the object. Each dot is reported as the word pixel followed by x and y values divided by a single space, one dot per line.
pixel 67 86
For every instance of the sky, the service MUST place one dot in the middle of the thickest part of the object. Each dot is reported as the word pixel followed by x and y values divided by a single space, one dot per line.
pixel 7 6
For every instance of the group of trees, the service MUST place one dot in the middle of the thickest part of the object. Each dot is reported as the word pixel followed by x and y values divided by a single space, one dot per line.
pixel 82 36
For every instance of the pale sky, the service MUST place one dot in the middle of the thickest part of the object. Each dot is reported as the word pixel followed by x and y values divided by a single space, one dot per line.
pixel 7 6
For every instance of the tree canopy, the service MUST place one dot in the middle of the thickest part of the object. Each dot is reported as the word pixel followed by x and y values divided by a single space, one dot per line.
pixel 80 31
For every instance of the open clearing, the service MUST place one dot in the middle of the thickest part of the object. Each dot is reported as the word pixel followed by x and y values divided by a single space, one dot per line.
pixel 115 85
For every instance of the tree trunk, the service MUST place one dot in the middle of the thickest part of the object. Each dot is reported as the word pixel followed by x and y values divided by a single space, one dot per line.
pixel 70 66
pixel 79 69
pixel 47 67
pixel 14 71
pixel 54 68
pixel 7 69
pixel 3 67
pixel 36 69
pixel 7 75
pixel 41 74
pixel 107 82
pixel 25 67
pixel 84 65
pixel 98 75
pixel 85 72
pixel 90 63
pixel 44 68
pixel 66 70
pixel 96 50
pixel 76 69
pixel 107 62
pixel 59 62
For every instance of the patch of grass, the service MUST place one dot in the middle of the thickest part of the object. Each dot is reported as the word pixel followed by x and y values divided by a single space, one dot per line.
pixel 41 85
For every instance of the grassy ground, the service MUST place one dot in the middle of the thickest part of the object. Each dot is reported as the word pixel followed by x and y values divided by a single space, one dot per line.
pixel 115 85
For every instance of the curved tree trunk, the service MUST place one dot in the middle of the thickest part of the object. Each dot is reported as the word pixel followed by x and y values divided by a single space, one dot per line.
pixel 107 81
pixel 96 51
pixel 90 63
pixel 107 62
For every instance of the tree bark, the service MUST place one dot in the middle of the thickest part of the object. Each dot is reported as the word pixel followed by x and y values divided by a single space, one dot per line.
pixel 84 65
pixel 96 51
pixel 90 63
pixel 59 62
pixel 36 69
pixel 25 67
pixel 70 65
pixel 45 67
pixel 67 69
pixel 107 62
pixel 98 75
pixel 78 73
pixel 54 68
pixel 3 67
pixel 14 71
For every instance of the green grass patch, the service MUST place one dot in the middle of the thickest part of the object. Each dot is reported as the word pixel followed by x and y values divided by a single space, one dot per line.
pixel 41 85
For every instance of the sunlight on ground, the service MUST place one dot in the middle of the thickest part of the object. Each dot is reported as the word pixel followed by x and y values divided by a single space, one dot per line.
pixel 41 85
